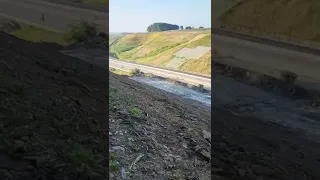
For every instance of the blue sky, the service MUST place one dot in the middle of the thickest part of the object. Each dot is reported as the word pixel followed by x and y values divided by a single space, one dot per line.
pixel 137 15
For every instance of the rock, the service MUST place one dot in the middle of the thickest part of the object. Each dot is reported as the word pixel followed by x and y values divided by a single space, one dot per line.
pixel 206 135
pixel 241 172
pixel 205 154
pixel 117 148
pixel 19 146
pixel 184 145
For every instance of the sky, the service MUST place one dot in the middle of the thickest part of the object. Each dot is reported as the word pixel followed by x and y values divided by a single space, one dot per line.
pixel 137 15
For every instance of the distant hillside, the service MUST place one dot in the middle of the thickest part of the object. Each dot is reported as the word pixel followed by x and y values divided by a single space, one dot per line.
pixel 159 49
pixel 298 19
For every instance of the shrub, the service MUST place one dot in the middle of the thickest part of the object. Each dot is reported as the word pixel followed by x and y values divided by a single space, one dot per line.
pixel 82 32
pixel 103 35
pixel 136 72
pixel 289 77
pixel 136 112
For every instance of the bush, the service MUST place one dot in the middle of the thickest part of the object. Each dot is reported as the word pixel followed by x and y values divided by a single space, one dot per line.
pixel 103 35
pixel 136 72
pixel 82 32
pixel 289 77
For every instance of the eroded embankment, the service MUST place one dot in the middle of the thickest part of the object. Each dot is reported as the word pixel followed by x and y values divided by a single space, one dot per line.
pixel 277 100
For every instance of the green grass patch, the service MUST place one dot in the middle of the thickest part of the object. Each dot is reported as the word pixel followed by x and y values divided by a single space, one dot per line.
pixel 82 157
pixel 30 33
pixel 135 112
pixel 205 41
pixel 120 72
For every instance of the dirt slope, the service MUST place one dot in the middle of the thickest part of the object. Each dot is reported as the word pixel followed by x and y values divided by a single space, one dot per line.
pixel 298 19
pixel 53 111
pixel 54 121
pixel 158 48
pixel 166 129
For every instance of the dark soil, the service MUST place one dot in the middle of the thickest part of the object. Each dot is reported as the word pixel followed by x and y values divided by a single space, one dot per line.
pixel 53 111
pixel 53 125
pixel 169 131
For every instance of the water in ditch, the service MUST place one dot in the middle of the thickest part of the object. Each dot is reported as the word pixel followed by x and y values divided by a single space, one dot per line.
pixel 175 89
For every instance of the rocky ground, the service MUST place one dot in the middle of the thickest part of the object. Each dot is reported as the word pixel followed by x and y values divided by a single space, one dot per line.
pixel 53 114
pixel 156 135
pixel 262 128
pixel 53 125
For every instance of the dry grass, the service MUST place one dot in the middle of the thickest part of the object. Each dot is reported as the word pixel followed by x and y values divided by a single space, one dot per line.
pixel 34 34
pixel 298 19
pixel 202 65
pixel 158 48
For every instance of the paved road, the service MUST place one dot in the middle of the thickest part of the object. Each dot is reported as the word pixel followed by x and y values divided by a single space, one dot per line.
pixel 99 57
pixel 57 17
pixel 268 59
pixel 183 77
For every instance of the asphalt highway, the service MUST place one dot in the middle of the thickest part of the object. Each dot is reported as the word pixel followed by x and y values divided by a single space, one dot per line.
pixel 181 76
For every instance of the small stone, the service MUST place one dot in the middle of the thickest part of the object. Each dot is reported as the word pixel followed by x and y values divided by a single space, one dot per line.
pixel 206 135
pixel 184 145
pixel 241 172
pixel 19 146
pixel 206 154
pixel 116 148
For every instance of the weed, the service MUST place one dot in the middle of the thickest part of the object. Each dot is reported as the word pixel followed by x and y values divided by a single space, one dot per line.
pixel 114 165
pixel 135 112
pixel 113 156
pixel 136 72
pixel 82 32
pixel 289 77
pixel 82 157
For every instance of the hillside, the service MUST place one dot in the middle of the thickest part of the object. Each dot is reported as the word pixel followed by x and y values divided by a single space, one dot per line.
pixel 54 121
pixel 297 19
pixel 219 7
pixel 159 49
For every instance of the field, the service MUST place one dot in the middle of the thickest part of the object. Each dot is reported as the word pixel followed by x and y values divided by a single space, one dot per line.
pixel 158 48
pixel 297 19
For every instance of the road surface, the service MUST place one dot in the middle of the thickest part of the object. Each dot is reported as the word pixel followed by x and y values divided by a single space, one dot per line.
pixel 99 57
pixel 268 59
pixel 183 77
pixel 57 17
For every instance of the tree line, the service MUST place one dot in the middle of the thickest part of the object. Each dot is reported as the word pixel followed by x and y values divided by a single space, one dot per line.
pixel 157 27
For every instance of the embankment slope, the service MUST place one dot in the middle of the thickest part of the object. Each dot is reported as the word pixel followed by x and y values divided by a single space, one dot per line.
pixel 159 48
pixel 297 19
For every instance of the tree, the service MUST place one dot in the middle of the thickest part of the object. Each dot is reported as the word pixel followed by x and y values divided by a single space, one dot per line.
pixel 188 27
pixel 181 27
pixel 156 27
pixel 200 27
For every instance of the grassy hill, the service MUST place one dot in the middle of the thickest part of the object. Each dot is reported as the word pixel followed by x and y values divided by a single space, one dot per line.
pixel 298 19
pixel 219 7
pixel 158 48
